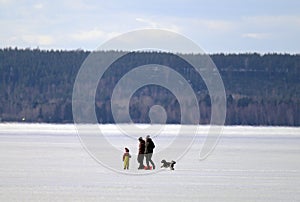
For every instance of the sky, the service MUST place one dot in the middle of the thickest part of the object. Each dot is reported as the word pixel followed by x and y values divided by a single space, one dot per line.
pixel 227 26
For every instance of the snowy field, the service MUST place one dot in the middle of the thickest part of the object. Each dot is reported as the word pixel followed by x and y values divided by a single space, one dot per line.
pixel 40 162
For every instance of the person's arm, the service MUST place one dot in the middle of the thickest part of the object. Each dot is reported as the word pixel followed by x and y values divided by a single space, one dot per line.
pixel 146 146
pixel 153 145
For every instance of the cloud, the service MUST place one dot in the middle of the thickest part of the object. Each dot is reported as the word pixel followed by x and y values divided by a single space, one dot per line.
pixel 269 27
pixel 216 25
pixel 5 1
pixel 256 35
pixel 162 23
pixel 92 35
pixel 201 24
pixel 151 23
pixel 38 6
pixel 78 5
pixel 81 23
pixel 39 40
pixel 273 21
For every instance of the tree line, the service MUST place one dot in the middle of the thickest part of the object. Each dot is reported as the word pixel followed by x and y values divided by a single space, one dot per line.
pixel 36 86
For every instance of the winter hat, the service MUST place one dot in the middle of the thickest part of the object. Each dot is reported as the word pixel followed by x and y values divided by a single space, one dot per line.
pixel 126 149
pixel 148 136
pixel 140 138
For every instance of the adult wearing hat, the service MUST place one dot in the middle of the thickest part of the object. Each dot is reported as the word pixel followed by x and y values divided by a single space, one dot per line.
pixel 149 146
pixel 141 154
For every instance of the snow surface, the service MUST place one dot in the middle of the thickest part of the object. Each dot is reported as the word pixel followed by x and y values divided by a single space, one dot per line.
pixel 44 162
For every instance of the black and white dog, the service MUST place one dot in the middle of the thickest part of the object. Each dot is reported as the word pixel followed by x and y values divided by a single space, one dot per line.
pixel 166 164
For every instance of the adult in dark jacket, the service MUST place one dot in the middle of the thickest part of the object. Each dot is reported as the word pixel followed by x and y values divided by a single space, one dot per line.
pixel 141 154
pixel 149 151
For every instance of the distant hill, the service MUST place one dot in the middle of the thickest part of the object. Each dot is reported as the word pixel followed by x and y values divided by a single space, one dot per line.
pixel 36 86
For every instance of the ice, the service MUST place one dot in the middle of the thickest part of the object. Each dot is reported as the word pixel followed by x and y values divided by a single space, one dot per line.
pixel 44 162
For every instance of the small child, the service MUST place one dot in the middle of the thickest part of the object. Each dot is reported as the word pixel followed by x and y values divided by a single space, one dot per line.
pixel 126 157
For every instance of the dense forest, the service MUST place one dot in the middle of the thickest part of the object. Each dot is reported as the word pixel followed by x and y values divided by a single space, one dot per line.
pixel 36 86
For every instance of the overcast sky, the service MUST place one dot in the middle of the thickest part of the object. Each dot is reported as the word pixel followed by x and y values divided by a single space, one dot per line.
pixel 215 25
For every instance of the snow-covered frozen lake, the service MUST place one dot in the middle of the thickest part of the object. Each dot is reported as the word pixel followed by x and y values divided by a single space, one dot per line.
pixel 42 162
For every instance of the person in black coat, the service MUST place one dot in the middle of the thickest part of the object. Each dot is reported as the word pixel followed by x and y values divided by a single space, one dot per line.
pixel 141 154
pixel 149 151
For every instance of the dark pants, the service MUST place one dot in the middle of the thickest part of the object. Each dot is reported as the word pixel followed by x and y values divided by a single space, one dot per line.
pixel 149 159
pixel 140 160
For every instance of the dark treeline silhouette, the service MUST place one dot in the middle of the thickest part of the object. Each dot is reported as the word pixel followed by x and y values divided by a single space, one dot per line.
pixel 36 86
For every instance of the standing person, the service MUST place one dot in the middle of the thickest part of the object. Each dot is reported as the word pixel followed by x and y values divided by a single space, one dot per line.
pixel 149 151
pixel 126 157
pixel 140 157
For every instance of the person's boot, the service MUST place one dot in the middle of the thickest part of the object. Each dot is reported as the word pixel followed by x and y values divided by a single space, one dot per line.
pixel 148 168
